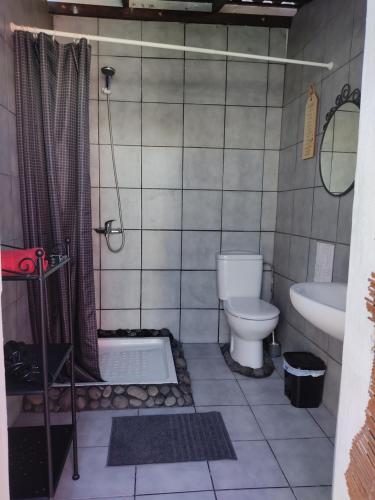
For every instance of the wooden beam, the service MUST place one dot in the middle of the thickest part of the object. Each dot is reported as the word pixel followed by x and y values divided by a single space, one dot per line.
pixel 69 9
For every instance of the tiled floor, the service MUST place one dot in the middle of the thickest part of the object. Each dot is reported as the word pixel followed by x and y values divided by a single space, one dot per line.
pixel 284 453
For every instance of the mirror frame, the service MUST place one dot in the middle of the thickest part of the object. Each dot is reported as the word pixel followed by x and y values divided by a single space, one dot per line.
pixel 346 96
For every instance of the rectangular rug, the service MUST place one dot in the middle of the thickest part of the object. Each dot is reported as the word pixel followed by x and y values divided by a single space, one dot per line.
pixel 153 439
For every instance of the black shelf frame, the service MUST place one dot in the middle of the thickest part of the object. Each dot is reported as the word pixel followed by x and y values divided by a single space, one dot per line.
pixel 52 358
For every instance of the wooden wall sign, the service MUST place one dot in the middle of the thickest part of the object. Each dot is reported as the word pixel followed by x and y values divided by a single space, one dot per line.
pixel 311 120
pixel 360 476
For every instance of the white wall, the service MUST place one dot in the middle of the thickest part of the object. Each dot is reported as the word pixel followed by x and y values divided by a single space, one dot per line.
pixel 359 335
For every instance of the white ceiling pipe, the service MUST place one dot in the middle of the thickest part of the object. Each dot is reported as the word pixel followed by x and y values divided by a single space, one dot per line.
pixel 167 46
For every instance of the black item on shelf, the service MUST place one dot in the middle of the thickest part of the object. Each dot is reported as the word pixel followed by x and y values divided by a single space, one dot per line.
pixel 19 365
pixel 304 379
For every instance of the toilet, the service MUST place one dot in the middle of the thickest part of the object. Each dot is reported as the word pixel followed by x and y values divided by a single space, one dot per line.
pixel 239 284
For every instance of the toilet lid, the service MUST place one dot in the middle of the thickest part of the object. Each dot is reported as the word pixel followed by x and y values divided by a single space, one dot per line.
pixel 255 309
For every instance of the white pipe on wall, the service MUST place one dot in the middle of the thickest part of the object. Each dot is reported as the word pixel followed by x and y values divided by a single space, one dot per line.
pixel 167 46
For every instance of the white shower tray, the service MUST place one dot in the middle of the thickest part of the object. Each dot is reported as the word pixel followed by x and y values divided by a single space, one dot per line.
pixel 137 361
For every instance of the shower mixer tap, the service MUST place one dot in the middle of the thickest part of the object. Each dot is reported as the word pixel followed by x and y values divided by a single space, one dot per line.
pixel 108 229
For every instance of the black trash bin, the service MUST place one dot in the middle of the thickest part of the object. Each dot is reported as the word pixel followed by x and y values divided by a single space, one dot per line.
pixel 304 379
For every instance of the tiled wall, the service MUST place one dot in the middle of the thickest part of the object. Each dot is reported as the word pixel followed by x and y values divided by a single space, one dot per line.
pixel 197 145
pixel 306 213
pixel 16 325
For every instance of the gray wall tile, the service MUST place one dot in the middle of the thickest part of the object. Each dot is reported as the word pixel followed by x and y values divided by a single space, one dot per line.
pixel 302 212
pixel 203 126
pixel 245 127
pixel 131 202
pixel 160 289
pixel 205 82
pixel 122 113
pixel 198 290
pixel 120 289
pixel 208 36
pixel 243 169
pixel 248 39
pixel 273 128
pixel 247 84
pixel 298 258
pixel 114 319
pixel 241 211
pixel 129 259
pixel 275 90
pixel 325 213
pixel 269 207
pixel 161 124
pixel 162 167
pixel 199 325
pixel 162 318
pixel 126 84
pixel 128 165
pixel 202 210
pixel 199 249
pixel 271 170
pixel 203 168
pixel 119 29
pixel 161 209
pixel 162 80
pixel 172 33
pixel 234 240
pixel 161 250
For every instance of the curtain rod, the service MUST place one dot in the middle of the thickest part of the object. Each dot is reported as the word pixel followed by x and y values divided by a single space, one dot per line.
pixel 167 46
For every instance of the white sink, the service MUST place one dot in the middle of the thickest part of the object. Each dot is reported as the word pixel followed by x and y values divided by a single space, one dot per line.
pixel 322 304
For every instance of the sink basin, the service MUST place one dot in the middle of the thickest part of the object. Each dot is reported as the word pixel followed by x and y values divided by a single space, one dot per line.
pixel 322 304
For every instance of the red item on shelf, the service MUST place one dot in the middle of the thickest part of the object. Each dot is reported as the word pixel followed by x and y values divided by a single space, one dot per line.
pixel 21 261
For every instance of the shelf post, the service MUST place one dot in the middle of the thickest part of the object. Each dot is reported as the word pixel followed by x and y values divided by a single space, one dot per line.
pixel 72 365
pixel 40 254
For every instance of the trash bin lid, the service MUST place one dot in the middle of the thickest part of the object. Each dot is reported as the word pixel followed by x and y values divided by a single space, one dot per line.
pixel 304 361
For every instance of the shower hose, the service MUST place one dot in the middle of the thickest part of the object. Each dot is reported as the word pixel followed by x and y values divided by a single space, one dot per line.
pixel 108 234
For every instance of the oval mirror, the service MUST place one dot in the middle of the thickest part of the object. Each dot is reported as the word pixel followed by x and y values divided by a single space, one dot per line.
pixel 338 151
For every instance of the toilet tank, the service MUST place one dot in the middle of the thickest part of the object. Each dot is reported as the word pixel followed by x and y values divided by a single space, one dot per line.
pixel 239 274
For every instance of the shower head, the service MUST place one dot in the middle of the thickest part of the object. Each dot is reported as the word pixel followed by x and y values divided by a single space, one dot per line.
pixel 108 71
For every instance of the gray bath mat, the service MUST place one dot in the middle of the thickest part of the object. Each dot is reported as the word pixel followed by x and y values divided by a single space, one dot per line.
pixel 155 439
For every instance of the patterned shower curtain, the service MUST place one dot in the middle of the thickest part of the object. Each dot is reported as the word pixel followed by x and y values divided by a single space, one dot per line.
pixel 52 97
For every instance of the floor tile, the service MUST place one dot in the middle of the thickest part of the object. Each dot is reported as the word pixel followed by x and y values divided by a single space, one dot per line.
pixel 96 479
pixel 259 494
pixel 209 368
pixel 202 351
pixel 172 478
pixel 94 427
pixel 315 493
pixel 200 495
pixel 305 462
pixel 210 392
pixel 273 375
pixel 166 411
pixel 325 419
pixel 264 391
pixel 239 421
pixel 26 419
pixel 285 421
pixel 256 467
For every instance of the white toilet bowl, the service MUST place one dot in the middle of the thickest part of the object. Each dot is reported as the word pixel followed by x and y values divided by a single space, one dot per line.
pixel 239 283
pixel 250 321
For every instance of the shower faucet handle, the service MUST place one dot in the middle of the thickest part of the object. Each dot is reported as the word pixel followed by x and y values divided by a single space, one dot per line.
pixel 108 226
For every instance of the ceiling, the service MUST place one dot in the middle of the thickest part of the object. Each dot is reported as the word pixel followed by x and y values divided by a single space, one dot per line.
pixel 271 13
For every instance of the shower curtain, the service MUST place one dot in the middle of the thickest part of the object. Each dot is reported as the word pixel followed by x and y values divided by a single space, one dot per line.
pixel 52 98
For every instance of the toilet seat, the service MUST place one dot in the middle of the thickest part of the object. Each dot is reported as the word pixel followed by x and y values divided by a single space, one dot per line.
pixel 250 308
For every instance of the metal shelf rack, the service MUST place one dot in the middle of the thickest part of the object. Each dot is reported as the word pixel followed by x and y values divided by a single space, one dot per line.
pixel 37 455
